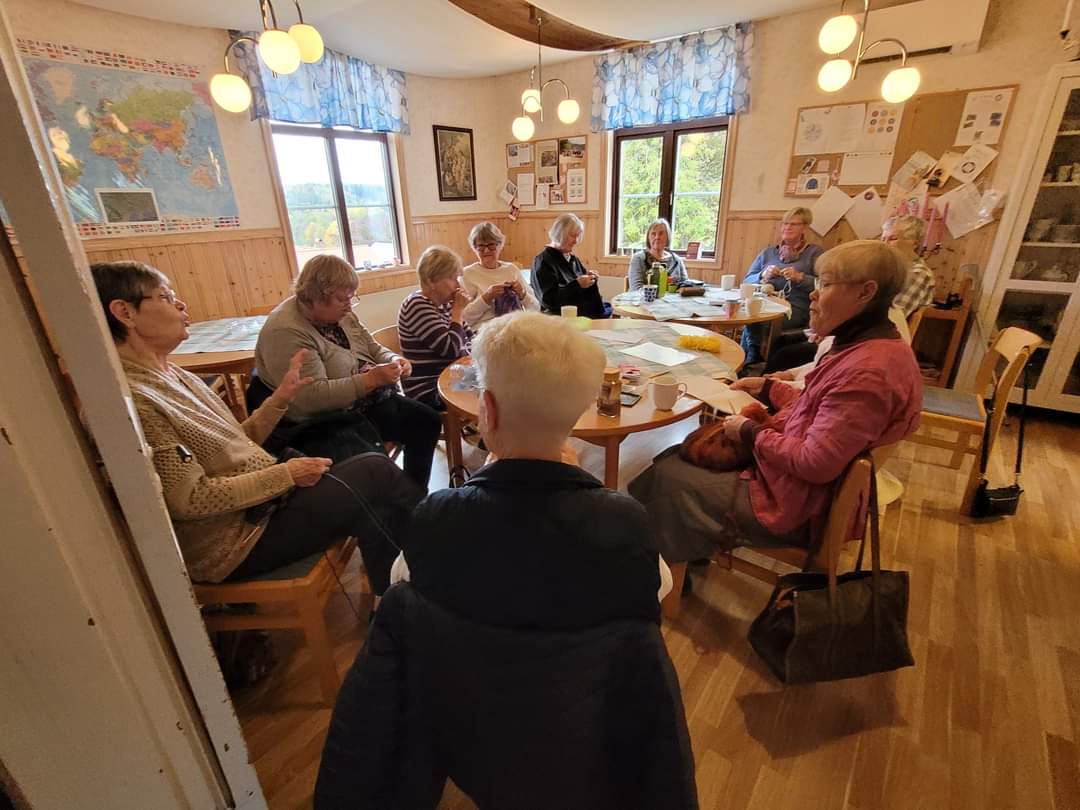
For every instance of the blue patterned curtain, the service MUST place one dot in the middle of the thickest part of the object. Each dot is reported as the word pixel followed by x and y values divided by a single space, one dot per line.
pixel 695 76
pixel 338 90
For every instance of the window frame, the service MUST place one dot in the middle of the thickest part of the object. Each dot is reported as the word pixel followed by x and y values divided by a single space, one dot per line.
pixel 329 136
pixel 669 134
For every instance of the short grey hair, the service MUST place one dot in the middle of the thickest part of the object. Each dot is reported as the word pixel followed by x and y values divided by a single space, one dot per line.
pixel 867 260
pixel 663 223
pixel 487 232
pixel 803 213
pixel 124 281
pixel 564 223
pixel 322 276
pixel 436 263
pixel 906 227
pixel 542 371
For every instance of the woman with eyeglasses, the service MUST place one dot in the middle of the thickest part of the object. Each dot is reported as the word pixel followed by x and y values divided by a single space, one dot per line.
pixel 496 287
pixel 354 377
pixel 237 510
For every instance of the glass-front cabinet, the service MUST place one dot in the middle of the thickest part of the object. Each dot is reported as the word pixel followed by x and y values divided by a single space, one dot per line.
pixel 1036 285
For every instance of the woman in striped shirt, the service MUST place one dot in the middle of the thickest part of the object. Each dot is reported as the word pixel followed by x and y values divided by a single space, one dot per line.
pixel 431 323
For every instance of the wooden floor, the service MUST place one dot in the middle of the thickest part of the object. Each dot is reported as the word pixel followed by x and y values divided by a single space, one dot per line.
pixel 989 717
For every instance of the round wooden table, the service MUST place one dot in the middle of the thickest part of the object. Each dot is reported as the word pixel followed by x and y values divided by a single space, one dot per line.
pixel 604 431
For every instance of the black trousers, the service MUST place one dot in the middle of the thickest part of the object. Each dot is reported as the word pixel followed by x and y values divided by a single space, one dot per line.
pixel 790 356
pixel 753 336
pixel 412 424
pixel 314 518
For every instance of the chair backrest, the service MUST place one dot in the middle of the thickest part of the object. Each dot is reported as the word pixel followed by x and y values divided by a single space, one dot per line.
pixel 914 321
pixel 1001 368
pixel 626 284
pixel 388 337
pixel 847 499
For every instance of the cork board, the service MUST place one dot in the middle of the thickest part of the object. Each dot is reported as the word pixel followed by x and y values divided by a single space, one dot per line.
pixel 928 123
pixel 571 169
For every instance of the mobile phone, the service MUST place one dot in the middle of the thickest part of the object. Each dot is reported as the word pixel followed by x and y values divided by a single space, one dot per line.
pixel 629 400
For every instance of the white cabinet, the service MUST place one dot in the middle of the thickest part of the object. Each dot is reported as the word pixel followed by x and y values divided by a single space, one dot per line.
pixel 1033 278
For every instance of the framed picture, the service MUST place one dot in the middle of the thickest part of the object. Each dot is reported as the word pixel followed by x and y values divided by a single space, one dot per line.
pixel 693 250
pixel 455 163
pixel 125 206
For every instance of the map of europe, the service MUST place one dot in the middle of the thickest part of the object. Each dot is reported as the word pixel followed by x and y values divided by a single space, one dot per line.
pixel 121 129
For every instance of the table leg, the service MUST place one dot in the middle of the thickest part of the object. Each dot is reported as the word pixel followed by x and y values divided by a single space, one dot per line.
pixel 454 455
pixel 611 461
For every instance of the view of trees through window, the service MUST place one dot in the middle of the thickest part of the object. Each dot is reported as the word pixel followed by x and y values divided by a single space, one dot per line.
pixel 673 174
pixel 312 168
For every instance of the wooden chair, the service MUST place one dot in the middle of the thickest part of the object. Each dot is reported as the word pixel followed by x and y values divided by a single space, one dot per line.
pixel 304 586
pixel 914 321
pixel 846 501
pixel 388 337
pixel 965 413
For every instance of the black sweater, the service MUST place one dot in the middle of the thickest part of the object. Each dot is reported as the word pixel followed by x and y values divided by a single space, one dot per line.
pixel 554 280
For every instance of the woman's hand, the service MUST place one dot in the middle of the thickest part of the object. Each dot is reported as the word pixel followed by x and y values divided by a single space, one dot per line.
pixel 457 308
pixel 380 375
pixel 586 280
pixel 405 366
pixel 793 275
pixel 292 382
pixel 786 376
pixel 518 288
pixel 494 291
pixel 307 471
pixel 771 271
pixel 732 425
pixel 751 385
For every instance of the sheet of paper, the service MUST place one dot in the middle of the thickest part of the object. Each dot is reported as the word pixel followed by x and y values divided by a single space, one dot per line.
pixel 812 183
pixel 518 155
pixel 941 173
pixel 526 183
pixel 880 127
pixel 627 336
pixel 913 171
pixel 685 329
pixel 983 117
pixel 812 132
pixel 973 161
pixel 865 168
pixel 718 394
pixel 902 202
pixel 543 195
pixel 864 216
pixel 508 192
pixel 575 186
pixel 659 354
pixel 829 209
pixel 961 208
pixel 547 162
pixel 845 127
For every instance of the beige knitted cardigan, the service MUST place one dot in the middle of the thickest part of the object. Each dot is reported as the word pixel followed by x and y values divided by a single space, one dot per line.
pixel 228 471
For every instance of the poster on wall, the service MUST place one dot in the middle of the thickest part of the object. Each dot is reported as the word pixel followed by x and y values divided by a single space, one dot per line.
pixel 518 155
pixel 983 117
pixel 141 126
pixel 547 162
pixel 571 159
pixel 575 186
pixel 455 164
pixel 526 188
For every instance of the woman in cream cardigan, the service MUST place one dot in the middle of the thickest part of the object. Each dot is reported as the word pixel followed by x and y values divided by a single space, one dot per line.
pixel 496 287
pixel 238 511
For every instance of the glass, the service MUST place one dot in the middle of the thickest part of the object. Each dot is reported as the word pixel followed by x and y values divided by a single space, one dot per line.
pixel 639 188
pixel 699 175
pixel 1053 229
pixel 304 169
pixel 365 181
pixel 1072 382
pixel 1037 312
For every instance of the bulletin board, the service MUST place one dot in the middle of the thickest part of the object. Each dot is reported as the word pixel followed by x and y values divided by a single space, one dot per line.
pixel 930 123
pixel 571 170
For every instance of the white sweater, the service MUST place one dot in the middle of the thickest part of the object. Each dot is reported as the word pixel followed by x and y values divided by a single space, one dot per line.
pixel 477 280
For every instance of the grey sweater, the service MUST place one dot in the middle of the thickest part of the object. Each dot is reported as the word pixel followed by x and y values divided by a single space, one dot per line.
pixel 640 263
pixel 337 383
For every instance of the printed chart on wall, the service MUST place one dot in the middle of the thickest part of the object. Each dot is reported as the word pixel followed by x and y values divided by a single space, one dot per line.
pixel 137 145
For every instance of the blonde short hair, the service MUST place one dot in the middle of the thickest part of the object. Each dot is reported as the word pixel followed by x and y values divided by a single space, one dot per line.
pixel 487 232
pixel 542 371
pixel 562 224
pixel 324 275
pixel 906 227
pixel 867 260
pixel 805 214
pixel 436 263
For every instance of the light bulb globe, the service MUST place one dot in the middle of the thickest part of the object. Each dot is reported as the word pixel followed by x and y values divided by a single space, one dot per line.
pixel 279 51
pixel 309 41
pixel 569 110
pixel 230 92
pixel 530 100
pixel 834 74
pixel 837 33
pixel 523 127
pixel 900 84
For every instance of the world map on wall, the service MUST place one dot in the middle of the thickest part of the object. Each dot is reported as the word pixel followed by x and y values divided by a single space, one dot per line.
pixel 119 129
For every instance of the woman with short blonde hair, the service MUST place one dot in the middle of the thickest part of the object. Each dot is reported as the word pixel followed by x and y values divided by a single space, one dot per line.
pixel 560 279
pixel 431 323
pixel 323 275
pixel 496 287
pixel 657 250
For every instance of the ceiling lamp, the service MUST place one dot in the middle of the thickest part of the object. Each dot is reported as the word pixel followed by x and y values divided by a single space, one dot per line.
pixel 837 35
pixel 281 51
pixel 532 97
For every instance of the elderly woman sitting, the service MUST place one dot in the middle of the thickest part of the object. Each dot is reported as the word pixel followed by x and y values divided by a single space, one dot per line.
pixel 866 392
pixel 560 279
pixel 237 511
pixel 349 369
pixel 657 242
pixel 496 287
pixel 431 323
pixel 905 234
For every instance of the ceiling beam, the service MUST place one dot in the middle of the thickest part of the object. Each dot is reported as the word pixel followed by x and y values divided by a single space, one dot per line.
pixel 518 17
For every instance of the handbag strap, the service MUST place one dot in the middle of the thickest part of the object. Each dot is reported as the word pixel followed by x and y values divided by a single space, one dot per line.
pixel 984 457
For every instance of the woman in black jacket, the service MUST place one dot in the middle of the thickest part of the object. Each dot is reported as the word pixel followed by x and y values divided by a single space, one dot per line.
pixel 560 279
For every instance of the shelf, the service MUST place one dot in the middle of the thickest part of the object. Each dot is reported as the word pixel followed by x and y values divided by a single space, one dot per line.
pixel 1055 184
pixel 1051 244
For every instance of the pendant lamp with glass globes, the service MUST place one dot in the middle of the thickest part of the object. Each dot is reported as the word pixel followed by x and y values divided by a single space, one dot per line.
pixel 281 51
pixel 837 35
pixel 532 101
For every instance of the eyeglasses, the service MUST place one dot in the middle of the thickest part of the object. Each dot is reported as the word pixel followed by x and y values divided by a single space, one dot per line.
pixel 798 222
pixel 169 297
pixel 820 285
pixel 487 246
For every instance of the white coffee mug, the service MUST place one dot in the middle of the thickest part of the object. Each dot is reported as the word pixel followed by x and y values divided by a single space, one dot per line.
pixel 666 391
pixel 569 311
pixel 649 292
pixel 727 282
pixel 753 306
pixel 746 290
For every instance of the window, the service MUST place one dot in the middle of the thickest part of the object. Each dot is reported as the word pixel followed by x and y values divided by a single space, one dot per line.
pixel 338 193
pixel 675 172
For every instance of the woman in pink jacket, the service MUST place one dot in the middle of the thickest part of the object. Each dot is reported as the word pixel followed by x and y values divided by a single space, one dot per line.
pixel 866 392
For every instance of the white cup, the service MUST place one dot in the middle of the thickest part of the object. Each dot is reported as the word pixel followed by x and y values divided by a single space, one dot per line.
pixel 649 292
pixel 666 391
pixel 747 290
pixel 569 311
pixel 727 282
pixel 753 306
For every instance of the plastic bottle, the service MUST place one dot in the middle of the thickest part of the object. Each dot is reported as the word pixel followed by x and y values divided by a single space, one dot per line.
pixel 608 404
pixel 659 274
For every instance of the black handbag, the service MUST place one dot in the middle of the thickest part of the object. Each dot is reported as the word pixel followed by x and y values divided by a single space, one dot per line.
pixel 1001 500
pixel 807 634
